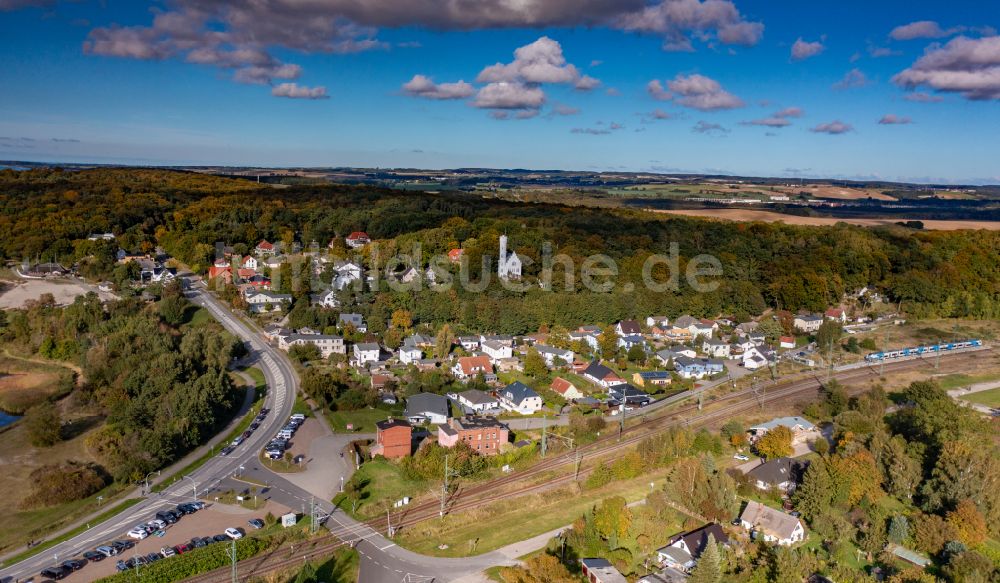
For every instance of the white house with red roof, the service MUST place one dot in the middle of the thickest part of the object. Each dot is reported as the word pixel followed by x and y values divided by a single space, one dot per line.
pixel 265 249
pixel 357 239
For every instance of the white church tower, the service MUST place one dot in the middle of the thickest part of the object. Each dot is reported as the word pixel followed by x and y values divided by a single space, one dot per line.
pixel 508 265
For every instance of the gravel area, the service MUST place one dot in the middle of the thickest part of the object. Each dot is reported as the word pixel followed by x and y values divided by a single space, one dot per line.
pixel 211 520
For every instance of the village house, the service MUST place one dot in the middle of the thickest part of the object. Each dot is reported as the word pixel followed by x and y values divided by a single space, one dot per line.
pixel 346 273
pixel 757 357
pixel 601 571
pixel 469 343
pixel 455 255
pixel 669 354
pixel 427 408
pixel 326 343
pixel 697 368
pixel 661 321
pixel 704 328
pixel 771 525
pixel 409 353
pixel 520 398
pixel 781 474
pixel 357 239
pixel 496 350
pixel 505 339
pixel 249 262
pixel 327 299
pixel 485 435
pixel 651 378
pixel 508 264
pixel 264 249
pixel 627 328
pixel 101 237
pixel 393 439
pixel 353 320
pixel 265 301
pixel 366 352
pixel 554 357
pixel 588 338
pixel 802 429
pixel 786 342
pixel 628 395
pixel 602 375
pixel 467 367
pixel 566 389
pixel 273 262
pixel 683 550
pixel 836 314
pixel 629 342
pixel 715 348
pixel 807 323
pixel 476 401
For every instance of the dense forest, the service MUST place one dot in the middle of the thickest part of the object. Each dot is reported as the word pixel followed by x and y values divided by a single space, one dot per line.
pixel 159 382
pixel 47 214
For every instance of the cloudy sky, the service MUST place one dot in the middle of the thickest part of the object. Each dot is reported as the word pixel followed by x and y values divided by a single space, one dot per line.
pixel 895 89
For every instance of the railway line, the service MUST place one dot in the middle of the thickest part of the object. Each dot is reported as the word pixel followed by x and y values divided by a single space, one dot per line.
pixel 735 403
pixel 268 562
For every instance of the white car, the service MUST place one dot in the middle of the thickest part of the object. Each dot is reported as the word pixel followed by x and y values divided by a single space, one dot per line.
pixel 741 457
pixel 138 532
pixel 167 552
pixel 234 533
pixel 157 524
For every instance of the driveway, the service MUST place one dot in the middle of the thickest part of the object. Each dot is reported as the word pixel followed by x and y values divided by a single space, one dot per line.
pixel 325 467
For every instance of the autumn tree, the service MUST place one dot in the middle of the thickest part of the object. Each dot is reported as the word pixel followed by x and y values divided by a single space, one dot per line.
pixel 968 523
pixel 776 443
pixel 612 519
pixel 442 344
pixel 607 342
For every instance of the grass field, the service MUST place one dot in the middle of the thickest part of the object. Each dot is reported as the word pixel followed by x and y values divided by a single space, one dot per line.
pixel 990 398
pixel 955 381
pixel 383 481
pixel 362 420
pixel 502 523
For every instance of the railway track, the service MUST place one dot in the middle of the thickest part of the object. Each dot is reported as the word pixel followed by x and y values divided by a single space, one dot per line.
pixel 736 403
pixel 268 562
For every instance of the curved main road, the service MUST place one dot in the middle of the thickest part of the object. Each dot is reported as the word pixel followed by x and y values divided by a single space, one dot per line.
pixel 382 560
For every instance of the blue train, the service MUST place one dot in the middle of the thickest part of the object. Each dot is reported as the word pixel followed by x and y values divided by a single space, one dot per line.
pixel 919 350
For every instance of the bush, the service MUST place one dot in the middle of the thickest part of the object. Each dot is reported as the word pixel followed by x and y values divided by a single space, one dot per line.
pixel 60 483
pixel 44 425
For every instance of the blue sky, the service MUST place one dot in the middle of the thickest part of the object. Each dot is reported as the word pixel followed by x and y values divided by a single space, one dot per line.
pixel 313 83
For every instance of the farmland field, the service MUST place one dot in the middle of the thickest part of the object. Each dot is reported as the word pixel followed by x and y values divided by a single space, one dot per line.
pixel 772 217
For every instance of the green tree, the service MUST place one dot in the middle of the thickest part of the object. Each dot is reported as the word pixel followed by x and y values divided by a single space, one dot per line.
pixel 442 344
pixel 44 424
pixel 815 495
pixel 534 364
pixel 709 566
pixel 171 309
pixel 636 354
pixel 899 529
pixel 612 519
pixel 776 443
pixel 828 335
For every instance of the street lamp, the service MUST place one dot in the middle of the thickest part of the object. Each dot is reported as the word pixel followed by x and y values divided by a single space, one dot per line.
pixel 194 486
pixel 146 480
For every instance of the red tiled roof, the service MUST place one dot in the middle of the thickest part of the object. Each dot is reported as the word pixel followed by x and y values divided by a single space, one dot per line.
pixel 214 271
pixel 473 364
pixel 265 245
pixel 356 235
pixel 561 385
pixel 455 254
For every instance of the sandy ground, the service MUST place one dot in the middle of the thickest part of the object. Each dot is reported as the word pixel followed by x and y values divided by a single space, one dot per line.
pixel 64 291
pixel 771 217
pixel 209 521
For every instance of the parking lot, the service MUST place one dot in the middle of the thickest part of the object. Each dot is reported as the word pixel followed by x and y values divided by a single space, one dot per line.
pixel 210 521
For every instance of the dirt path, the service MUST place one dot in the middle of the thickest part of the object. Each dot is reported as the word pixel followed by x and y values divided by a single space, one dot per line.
pixel 70 366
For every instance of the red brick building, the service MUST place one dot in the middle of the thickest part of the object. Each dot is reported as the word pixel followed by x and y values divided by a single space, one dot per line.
pixel 394 439
pixel 484 435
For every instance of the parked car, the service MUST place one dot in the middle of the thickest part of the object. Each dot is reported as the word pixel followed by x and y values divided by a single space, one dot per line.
pixel 139 560
pixel 198 543
pixel 198 504
pixel 741 457
pixel 153 557
pixel 107 550
pixel 166 516
pixel 157 524
pixel 226 450
pixel 183 548
pixel 234 533
pixel 298 417
pixel 54 573
pixel 94 556
pixel 254 426
pixel 220 538
pixel 138 533
pixel 121 566
pixel 167 552
pixel 256 523
pixel 72 565
pixel 247 434
pixel 239 439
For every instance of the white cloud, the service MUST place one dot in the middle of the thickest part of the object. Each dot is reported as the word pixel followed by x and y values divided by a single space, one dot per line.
pixel 296 91
pixel 923 29
pixel 970 67
pixel 423 86
pixel 539 62
pixel 802 50
pixel 678 20
pixel 695 91
pixel 507 95
pixel 893 119
pixel 834 128
pixel 704 127
pixel 852 79
pixel 921 97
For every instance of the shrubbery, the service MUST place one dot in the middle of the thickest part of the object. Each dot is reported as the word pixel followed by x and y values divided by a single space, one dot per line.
pixel 55 484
